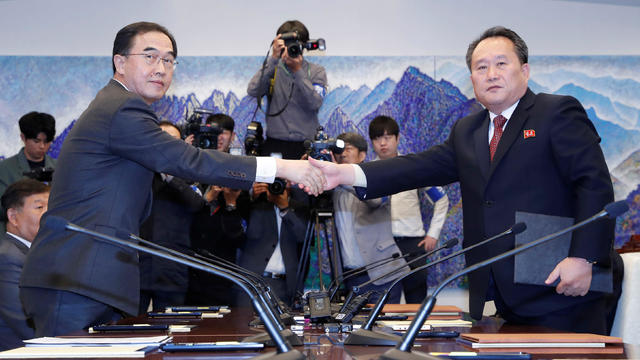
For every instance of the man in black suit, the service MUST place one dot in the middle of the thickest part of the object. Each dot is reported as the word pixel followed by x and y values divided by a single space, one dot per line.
pixel 103 182
pixel 275 232
pixel 23 202
pixel 525 152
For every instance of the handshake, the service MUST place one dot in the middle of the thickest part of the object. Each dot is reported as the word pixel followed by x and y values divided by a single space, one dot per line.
pixel 315 176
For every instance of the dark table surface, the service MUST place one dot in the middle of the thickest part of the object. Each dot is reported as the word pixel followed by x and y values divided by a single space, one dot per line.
pixel 319 345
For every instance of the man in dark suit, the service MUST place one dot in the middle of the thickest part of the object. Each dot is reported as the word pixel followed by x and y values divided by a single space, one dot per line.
pixel 24 202
pixel 525 152
pixel 275 232
pixel 164 283
pixel 103 182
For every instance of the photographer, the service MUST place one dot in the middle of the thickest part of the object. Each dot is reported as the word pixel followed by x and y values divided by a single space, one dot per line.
pixel 364 227
pixel 37 131
pixel 217 228
pixel 294 89
pixel 275 232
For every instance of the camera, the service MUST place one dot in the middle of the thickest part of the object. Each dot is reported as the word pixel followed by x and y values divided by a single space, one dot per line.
pixel 323 142
pixel 254 139
pixel 205 136
pixel 278 186
pixel 295 46
pixel 41 174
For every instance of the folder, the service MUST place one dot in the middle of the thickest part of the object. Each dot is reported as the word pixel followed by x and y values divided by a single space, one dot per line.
pixel 534 265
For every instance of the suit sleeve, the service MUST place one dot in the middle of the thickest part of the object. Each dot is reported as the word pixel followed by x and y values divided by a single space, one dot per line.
pixel 11 310
pixel 135 135
pixel 435 166
pixel 576 148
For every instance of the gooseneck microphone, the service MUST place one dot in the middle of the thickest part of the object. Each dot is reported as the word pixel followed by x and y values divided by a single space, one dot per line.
pixel 403 349
pixel 357 290
pixel 259 285
pixel 284 349
pixel 366 336
pixel 335 284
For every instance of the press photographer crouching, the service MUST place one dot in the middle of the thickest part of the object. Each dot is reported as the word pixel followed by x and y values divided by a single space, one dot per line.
pixel 294 90
pixel 217 227
pixel 275 233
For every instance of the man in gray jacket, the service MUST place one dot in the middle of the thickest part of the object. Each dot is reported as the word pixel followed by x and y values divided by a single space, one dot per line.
pixel 37 130
pixel 364 228
pixel 294 89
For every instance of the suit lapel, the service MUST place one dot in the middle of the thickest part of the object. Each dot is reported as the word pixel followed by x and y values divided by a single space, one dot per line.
pixel 481 143
pixel 22 247
pixel 513 129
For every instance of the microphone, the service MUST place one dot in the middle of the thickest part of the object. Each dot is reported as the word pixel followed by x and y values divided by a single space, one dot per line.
pixel 272 326
pixel 357 289
pixel 259 285
pixel 335 284
pixel 366 336
pixel 403 349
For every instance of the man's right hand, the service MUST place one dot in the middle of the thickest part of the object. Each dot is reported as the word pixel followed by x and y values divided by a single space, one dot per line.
pixel 277 47
pixel 212 193
pixel 334 174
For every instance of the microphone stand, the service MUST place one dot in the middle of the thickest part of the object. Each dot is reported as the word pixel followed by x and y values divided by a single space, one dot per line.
pixel 264 295
pixel 284 349
pixel 366 336
pixel 335 284
pixel 403 349
pixel 356 290
pixel 279 305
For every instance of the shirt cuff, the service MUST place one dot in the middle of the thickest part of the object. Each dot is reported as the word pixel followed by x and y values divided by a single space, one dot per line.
pixel 265 169
pixel 361 178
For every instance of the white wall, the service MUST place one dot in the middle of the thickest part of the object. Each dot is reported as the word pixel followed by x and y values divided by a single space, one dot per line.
pixel 351 27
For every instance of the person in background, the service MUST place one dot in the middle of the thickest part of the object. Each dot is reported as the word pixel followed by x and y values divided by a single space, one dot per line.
pixel 406 210
pixel 164 283
pixel 24 202
pixel 37 130
pixel 364 228
pixel 295 89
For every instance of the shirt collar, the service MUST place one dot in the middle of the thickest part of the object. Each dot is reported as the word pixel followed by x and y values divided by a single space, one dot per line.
pixel 118 81
pixel 506 113
pixel 25 242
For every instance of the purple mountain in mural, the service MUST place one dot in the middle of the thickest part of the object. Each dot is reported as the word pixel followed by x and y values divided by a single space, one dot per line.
pixel 331 101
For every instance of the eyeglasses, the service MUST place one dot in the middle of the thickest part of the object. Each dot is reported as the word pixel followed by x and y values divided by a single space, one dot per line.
pixel 153 59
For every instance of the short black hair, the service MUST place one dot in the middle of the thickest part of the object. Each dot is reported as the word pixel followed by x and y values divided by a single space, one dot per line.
pixel 297 26
pixel 169 123
pixel 224 121
pixel 15 194
pixel 33 123
pixel 522 51
pixel 381 124
pixel 355 139
pixel 124 39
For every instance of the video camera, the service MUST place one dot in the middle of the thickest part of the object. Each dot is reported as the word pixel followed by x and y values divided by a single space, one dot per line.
pixel 295 46
pixel 205 136
pixel 254 139
pixel 43 174
pixel 323 142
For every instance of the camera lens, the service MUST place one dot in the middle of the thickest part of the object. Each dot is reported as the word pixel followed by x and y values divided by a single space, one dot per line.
pixel 277 187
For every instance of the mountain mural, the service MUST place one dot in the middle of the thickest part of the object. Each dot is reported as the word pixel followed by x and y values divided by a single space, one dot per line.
pixel 426 95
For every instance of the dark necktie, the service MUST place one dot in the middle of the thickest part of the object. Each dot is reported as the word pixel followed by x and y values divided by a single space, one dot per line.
pixel 498 123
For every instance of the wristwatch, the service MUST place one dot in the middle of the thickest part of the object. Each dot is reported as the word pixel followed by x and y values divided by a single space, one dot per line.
pixel 230 207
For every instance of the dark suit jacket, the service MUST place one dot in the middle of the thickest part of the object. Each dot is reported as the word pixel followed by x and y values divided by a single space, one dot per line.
pixel 262 239
pixel 103 182
pixel 14 324
pixel 559 171
pixel 174 203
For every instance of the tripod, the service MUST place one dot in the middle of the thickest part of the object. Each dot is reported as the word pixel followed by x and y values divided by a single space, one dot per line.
pixel 321 220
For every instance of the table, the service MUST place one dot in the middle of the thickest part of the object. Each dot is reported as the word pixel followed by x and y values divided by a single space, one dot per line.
pixel 234 326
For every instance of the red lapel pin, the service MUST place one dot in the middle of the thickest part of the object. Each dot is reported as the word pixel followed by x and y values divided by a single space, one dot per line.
pixel 529 133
